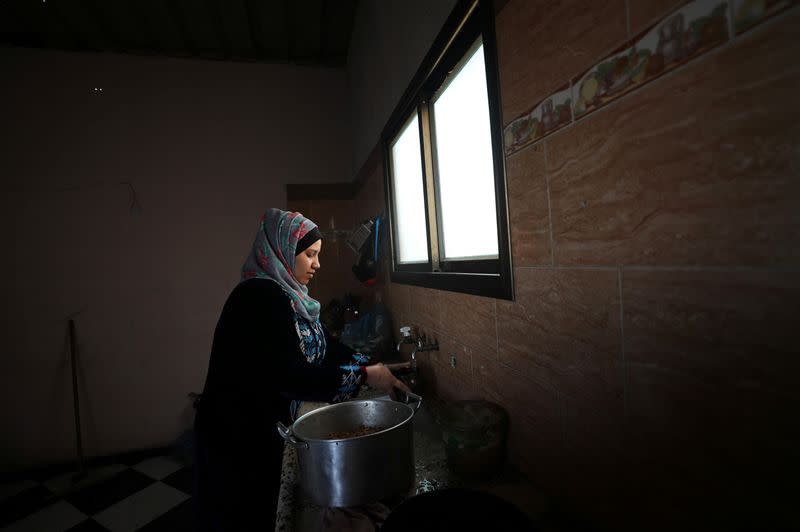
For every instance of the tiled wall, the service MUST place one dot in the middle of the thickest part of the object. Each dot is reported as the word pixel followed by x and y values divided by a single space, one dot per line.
pixel 648 360
pixel 680 33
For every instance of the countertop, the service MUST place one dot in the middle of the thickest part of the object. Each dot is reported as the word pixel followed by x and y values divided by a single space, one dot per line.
pixel 295 513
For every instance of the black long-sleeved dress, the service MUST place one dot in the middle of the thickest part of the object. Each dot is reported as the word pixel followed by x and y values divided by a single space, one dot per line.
pixel 256 369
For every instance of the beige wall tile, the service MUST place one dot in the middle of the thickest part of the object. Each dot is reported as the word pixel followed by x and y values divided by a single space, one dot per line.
pixel 423 306
pixel 526 401
pixel 712 394
pixel 527 207
pixel 428 379
pixel 724 328
pixel 451 346
pixel 451 386
pixel 469 319
pixel 542 45
pixel 401 305
pixel 535 437
pixel 695 169
pixel 563 331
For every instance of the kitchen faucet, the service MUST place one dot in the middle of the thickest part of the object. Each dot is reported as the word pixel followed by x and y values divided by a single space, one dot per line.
pixel 406 339
pixel 419 346
pixel 411 366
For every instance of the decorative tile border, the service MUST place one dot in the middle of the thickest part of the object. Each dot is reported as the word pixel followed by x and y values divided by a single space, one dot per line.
pixel 616 75
pixel 688 32
pixel 550 115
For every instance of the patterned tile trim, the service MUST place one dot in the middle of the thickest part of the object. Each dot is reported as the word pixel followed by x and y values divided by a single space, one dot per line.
pixel 683 35
pixel 548 116
pixel 688 32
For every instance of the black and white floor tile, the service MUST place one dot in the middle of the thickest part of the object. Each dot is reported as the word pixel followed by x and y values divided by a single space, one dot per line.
pixel 151 495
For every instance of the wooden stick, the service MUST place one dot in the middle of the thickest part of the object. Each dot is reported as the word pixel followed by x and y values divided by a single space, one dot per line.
pixel 73 348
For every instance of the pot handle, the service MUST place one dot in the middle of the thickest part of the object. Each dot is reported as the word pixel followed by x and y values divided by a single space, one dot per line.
pixel 290 438
pixel 415 397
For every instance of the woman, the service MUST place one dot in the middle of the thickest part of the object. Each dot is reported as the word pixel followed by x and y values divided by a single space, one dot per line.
pixel 269 351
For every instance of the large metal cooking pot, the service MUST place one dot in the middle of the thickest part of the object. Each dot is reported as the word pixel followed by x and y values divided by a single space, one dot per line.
pixel 359 470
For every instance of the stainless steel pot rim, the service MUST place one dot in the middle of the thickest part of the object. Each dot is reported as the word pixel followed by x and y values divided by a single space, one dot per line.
pixel 349 404
pixel 354 438
pixel 291 437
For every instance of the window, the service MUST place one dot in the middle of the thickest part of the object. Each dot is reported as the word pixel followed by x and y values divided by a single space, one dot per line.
pixel 409 209
pixel 445 174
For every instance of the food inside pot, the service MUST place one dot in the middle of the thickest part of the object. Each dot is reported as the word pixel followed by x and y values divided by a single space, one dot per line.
pixel 363 430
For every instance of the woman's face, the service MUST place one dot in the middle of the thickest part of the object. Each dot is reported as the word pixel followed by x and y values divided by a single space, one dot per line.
pixel 307 263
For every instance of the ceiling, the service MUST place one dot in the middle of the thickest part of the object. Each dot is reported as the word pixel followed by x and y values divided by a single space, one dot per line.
pixel 303 32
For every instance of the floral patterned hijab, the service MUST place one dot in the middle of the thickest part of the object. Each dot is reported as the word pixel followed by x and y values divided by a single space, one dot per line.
pixel 272 257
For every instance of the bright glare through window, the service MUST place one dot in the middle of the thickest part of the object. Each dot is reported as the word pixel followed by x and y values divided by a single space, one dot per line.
pixel 412 245
pixel 444 174
pixel 465 169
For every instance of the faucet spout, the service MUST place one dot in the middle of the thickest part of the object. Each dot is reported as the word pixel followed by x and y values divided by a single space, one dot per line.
pixel 420 347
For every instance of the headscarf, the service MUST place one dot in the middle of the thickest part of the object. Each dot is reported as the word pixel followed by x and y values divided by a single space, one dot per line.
pixel 272 257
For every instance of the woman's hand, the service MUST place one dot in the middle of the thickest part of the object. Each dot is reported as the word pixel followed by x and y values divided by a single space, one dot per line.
pixel 381 378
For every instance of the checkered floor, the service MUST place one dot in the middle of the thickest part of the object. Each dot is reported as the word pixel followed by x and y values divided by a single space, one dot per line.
pixel 151 495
